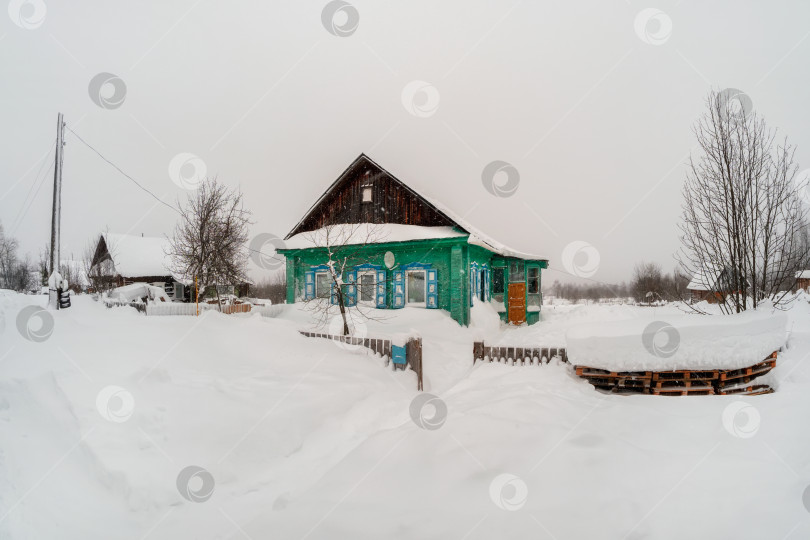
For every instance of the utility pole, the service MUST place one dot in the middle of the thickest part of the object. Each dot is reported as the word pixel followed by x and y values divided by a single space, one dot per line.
pixel 54 282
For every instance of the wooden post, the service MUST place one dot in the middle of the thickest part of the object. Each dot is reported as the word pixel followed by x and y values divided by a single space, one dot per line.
pixel 54 300
pixel 413 353
pixel 478 351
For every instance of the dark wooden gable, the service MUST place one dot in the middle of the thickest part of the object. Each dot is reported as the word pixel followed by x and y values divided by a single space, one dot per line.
pixel 391 201
pixel 102 253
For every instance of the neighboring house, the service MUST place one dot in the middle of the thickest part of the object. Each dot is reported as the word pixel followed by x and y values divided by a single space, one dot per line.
pixel 125 259
pixel 711 285
pixel 803 280
pixel 406 251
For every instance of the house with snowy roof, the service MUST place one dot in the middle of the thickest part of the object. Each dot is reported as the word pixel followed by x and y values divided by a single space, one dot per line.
pixel 712 283
pixel 125 259
pixel 403 250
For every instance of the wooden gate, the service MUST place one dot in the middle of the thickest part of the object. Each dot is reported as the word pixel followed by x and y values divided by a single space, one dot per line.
pixel 517 303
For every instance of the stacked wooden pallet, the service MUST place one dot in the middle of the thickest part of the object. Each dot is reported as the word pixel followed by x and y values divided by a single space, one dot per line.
pixel 681 382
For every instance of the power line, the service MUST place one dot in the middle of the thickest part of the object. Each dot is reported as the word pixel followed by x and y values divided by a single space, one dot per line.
pixel 122 172
pixel 26 205
pixel 146 190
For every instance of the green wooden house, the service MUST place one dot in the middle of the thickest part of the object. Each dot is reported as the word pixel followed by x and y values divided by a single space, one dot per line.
pixel 394 248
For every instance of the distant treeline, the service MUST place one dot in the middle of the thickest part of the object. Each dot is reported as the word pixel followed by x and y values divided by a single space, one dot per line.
pixel 273 288
pixel 648 284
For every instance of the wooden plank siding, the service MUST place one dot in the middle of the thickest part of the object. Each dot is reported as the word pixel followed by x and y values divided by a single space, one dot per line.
pixel 391 201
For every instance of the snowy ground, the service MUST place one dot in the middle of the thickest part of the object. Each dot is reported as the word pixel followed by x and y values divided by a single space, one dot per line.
pixel 303 439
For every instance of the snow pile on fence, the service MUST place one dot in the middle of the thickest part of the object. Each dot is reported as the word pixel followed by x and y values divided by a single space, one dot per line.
pixel 678 342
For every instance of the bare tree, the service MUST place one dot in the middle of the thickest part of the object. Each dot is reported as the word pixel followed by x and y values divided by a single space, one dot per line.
pixel 273 288
pixel 743 224
pixel 648 282
pixel 8 259
pixel 342 245
pixel 210 241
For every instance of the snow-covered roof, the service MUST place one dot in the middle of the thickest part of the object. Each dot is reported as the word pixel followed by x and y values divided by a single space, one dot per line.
pixel 706 279
pixel 803 274
pixel 478 238
pixel 135 256
pixel 368 233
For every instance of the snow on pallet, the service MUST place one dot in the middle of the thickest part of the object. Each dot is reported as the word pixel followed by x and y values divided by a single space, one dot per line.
pixel 681 382
pixel 678 343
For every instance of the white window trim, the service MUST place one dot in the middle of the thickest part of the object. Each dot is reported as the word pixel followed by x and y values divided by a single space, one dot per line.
pixel 329 285
pixel 373 301
pixel 424 288
pixel 366 190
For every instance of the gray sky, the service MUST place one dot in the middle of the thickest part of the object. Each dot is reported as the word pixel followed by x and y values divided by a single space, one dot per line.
pixel 593 112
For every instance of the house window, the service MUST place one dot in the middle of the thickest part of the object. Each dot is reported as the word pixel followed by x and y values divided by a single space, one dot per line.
pixel 498 282
pixel 534 297
pixel 366 193
pixel 323 285
pixel 533 281
pixel 516 274
pixel 415 286
pixel 368 286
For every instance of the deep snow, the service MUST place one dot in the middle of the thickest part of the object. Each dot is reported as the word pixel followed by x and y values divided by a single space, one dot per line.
pixel 306 439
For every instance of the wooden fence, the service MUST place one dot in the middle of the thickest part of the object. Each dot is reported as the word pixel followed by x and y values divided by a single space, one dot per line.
pixel 413 349
pixel 517 356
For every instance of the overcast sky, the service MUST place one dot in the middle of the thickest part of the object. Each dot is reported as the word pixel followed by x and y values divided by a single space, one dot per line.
pixel 591 102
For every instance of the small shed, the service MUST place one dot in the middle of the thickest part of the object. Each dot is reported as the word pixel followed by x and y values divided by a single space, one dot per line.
pixel 712 284
pixel 124 259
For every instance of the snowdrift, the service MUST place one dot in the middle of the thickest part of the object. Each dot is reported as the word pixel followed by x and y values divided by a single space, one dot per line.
pixel 678 342
pixel 139 291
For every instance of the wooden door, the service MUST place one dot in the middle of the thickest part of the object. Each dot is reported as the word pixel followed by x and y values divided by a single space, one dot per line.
pixel 517 303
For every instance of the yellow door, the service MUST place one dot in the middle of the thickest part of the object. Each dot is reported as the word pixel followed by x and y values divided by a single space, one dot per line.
pixel 517 303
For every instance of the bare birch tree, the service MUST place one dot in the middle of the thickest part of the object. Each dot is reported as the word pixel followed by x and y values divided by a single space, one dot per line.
pixel 743 224
pixel 210 241
pixel 342 245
